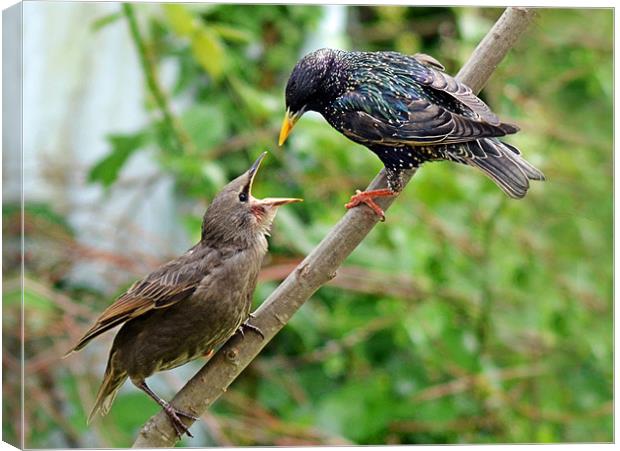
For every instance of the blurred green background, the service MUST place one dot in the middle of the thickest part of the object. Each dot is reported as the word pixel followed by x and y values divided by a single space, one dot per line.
pixel 465 318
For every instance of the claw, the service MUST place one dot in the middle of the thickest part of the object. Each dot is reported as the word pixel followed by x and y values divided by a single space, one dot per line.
pixel 180 427
pixel 172 412
pixel 247 325
pixel 366 197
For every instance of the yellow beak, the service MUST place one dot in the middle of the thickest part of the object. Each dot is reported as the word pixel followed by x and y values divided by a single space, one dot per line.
pixel 287 125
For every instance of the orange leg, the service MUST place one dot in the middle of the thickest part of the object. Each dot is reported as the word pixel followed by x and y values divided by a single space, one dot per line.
pixel 366 197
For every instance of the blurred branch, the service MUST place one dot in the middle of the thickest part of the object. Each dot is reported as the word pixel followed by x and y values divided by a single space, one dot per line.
pixel 320 265
pixel 47 398
pixel 469 381
pixel 148 67
pixel 459 425
pixel 363 280
pixel 536 414
pixel 255 423
pixel 483 327
pixel 447 234
pixel 359 335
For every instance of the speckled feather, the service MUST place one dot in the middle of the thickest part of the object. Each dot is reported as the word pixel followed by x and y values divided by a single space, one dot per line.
pixel 407 111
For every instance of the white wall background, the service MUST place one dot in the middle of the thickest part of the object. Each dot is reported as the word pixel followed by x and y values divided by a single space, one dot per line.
pixel 80 85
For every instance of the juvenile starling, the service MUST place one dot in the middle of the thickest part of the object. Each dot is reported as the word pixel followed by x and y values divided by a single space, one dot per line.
pixel 192 304
pixel 407 110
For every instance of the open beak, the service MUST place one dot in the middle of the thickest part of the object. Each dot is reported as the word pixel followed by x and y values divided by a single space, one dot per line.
pixel 287 125
pixel 254 169
pixel 277 201
pixel 269 201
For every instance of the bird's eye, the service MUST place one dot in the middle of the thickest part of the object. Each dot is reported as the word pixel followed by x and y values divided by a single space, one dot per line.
pixel 243 196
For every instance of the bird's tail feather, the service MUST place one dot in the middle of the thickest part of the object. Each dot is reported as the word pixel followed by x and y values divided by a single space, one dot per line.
pixel 112 382
pixel 502 163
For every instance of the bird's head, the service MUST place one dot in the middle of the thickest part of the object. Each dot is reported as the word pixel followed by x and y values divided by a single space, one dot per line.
pixel 306 87
pixel 235 215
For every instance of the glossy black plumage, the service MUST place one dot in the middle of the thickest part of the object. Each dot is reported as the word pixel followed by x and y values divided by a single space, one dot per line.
pixel 407 111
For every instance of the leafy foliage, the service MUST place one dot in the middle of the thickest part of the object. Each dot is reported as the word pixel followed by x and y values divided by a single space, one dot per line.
pixel 465 318
pixel 123 146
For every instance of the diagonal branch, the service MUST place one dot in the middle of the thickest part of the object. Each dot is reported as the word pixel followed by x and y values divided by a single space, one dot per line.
pixel 320 265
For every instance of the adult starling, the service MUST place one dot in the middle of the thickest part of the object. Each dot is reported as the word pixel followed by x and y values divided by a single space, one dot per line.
pixel 192 304
pixel 407 110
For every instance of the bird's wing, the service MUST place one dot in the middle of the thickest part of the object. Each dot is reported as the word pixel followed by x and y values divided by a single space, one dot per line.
pixel 167 285
pixel 406 102
pixel 426 123
pixel 429 61
pixel 427 71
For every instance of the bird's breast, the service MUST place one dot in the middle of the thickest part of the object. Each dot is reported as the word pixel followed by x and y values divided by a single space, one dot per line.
pixel 169 337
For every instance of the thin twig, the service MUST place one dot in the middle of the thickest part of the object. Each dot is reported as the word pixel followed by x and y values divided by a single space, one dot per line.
pixel 483 327
pixel 319 266
pixel 363 280
pixel 464 383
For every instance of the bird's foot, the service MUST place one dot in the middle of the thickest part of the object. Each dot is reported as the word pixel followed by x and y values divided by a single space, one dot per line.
pixel 247 325
pixel 366 197
pixel 172 412
pixel 180 427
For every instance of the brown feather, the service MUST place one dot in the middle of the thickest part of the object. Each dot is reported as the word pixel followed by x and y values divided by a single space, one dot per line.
pixel 428 60
pixel 167 285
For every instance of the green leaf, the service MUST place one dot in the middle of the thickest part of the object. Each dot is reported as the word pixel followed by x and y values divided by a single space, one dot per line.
pixel 359 411
pixel 257 103
pixel 232 34
pixel 12 298
pixel 204 124
pixel 36 301
pixel 192 225
pixel 103 21
pixel 214 173
pixel 123 146
pixel 208 49
pixel 181 20
pixel 76 416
